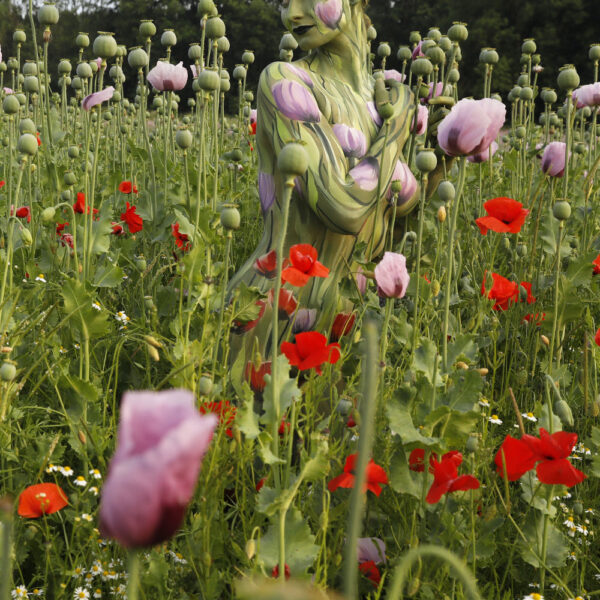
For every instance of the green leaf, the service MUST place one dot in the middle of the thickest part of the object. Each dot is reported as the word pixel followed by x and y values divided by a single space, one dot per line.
pixel 456 425
pixel 78 306
pixel 286 389
pixel 580 271
pixel 108 276
pixel 246 308
pixel 533 493
pixel 401 477
pixel 246 419
pixel 557 546
pixel 317 465
pixel 267 501
pixel 266 454
pixel 401 424
pixel 300 549
pixel 426 359
pixel 464 393
pixel 101 231
pixel 463 347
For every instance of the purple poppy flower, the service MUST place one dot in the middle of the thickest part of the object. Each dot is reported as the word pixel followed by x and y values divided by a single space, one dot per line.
pixel 152 476
pixel 301 74
pixel 361 281
pixel 329 12
pixel 439 88
pixel 471 126
pixel 403 174
pixel 165 76
pixel 99 63
pixel 417 51
pixel 194 71
pixel 352 141
pixel 8 90
pixel 305 320
pixel 393 74
pixel 422 119
pixel 266 191
pixel 98 97
pixel 366 174
pixel 371 549
pixel 553 159
pixel 295 101
pixel 253 116
pixel 391 276
pixel 483 156
pixel 587 95
pixel 374 113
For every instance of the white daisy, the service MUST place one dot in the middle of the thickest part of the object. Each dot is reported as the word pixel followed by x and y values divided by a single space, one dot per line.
pixel 95 474
pixel 19 592
pixel 81 594
pixel 484 402
pixel 41 278
pixel 96 306
pixel 87 517
pixel 66 471
pixel 80 481
pixel 495 420
pixel 529 416
pixel 534 596
pixel 93 490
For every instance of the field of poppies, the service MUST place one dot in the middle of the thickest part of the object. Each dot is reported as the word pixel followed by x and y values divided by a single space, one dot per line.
pixel 438 439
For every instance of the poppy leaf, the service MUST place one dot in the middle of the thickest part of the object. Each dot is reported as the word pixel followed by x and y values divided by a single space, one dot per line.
pixel 401 478
pixel 286 389
pixel 425 359
pixel 401 424
pixel 557 546
pixel 247 420
pixel 108 276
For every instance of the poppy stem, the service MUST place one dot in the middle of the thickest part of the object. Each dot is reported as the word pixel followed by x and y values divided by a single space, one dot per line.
pixel 422 194
pixel 365 444
pixel 5 547
pixel 544 548
pixel 134 574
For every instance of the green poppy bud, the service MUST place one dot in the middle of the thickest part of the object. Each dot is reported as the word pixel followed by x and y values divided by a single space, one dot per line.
pixel 147 29
pixel 69 178
pixel 236 155
pixel 458 32
pixel 578 508
pixel 404 53
pixel 214 28
pixel 206 7
pixel 248 96
pixel 563 410
pixel 64 67
pixel 523 80
pixel 230 217
pixel 209 80
pixel 27 144
pixel 426 160
pixel 446 191
pixel 453 76
pixel 84 70
pixel 292 160
pixel 8 370
pixel 561 210
pixel 48 214
pixel 19 36
pixel 47 14
pixel 567 79
pixel 526 93
pixel 248 57
pixel 536 59
pixel 239 72
pixel 472 443
pixel 195 52
pixel 137 58
pixel 594 52
pixel 10 105
pixel 26 126
pixel 205 385
pixel 371 33
pixel 383 50
pixel 549 96
pixel 414 37
pixel 168 38
pixel 528 46
pixel 26 237
pixel 184 138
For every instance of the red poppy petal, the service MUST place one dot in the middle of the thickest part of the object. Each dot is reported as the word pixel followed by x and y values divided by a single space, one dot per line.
pixel 295 277
pixel 504 209
pixel 350 463
pixel 291 352
pixel 559 444
pixel 436 491
pixel 373 487
pixel 305 249
pixel 518 456
pixel 375 473
pixel 345 480
pixel 515 226
pixel 485 223
pixel 464 482
pixel 559 472
pixel 318 270
pixel 310 342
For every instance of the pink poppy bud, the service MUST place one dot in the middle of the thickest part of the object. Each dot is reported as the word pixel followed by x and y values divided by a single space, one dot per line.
pixel 371 549
pixel 98 97
pixel 471 126
pixel 266 190
pixel 8 90
pixel 194 71
pixel 152 475
pixel 295 101
pixel 352 141
pixel 483 156
pixel 417 51
pixel 391 276
pixel 329 12
pixel 301 74
pixel 422 119
pixel 439 88
pixel 366 174
pixel 361 281
pixel 553 159
pixel 403 174
pixel 305 320
pixel 165 76
pixel 374 113
pixel 253 113
pixel 393 74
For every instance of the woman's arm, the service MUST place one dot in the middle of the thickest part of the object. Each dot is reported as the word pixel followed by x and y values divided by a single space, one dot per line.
pixel 342 198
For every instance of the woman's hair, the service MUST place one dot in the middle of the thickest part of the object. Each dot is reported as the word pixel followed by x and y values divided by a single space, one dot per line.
pixel 365 4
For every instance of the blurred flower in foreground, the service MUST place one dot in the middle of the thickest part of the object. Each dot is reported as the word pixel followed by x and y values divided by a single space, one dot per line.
pixel 152 476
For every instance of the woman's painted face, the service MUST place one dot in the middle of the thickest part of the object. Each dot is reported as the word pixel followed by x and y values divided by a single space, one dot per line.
pixel 313 23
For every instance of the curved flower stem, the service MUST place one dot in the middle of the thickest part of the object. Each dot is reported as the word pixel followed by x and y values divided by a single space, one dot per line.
pixel 422 193
pixel 377 197
pixel 365 445
pixel 133 583
pixel 449 262
pixel 553 341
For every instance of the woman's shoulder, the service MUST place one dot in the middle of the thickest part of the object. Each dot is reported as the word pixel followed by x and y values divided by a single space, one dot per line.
pixel 280 70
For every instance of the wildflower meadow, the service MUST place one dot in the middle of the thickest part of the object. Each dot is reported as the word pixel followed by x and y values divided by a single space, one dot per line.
pixel 252 348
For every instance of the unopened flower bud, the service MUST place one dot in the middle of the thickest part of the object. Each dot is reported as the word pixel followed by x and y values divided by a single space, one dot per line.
pixel 441 214
pixel 82 437
pixel 153 352
pixel 545 340
pixel 462 365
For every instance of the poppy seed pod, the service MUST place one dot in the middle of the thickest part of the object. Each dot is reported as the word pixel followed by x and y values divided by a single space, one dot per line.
pixel 421 66
pixel 31 85
pixel 30 68
pixel 561 210
pixel 446 191
pixel 458 32
pixel 567 79
pixel 426 160
pixel 292 160
pixel 19 36
pixel 230 217
pixel 536 59
pixel 426 44
pixel 105 45
pixel 76 84
pixel 526 93
pixel 549 96
pixel 288 42
pixel 215 28
pixel 47 14
pixel 137 58
pixel 414 37
pixel 436 55
pixel 490 56
pixel 184 138
pixel 84 70
pixel 434 33
pixel 27 144
pixel 453 76
pixel 371 33
pixel 168 38
pixel 383 50
pixel 206 7
pixel 594 52
pixel 48 214
pixel 205 385
pixel 523 79
pixel 8 370
pixel 248 57
pixel 223 45
pixel 528 46
pixel 147 29
pixel 209 80
pixel 239 72
pixel 404 53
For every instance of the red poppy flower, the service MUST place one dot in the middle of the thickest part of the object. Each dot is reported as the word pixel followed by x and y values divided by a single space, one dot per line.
pixel 287 302
pixel 126 187
pixel 537 318
pixel 117 229
pixel 41 499
pixel 503 291
pixel 266 264
pixel 2 184
pixel 342 325
pixel 223 410
pixel 24 212
pixel 284 427
pixel 446 478
pixel 39 141
pixel 305 265
pixel 375 476
pixel 260 484
pixel 550 452
pixel 66 239
pixel 311 351
pixel 253 128
pixel 243 326
pixel 60 227
pixel 351 422
pixel 370 571
pixel 527 286
pixel 416 460
pixel 181 239
pixel 275 572
pixel 80 206
pixel 597 338
pixel 255 376
pixel 133 220
pixel 505 215
pixel 596 263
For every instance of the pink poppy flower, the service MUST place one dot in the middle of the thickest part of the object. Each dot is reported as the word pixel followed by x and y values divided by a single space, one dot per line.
pixel 98 97
pixel 553 159
pixel 422 119
pixel 329 12
pixel 165 76
pixel 483 156
pixel 366 174
pixel 295 101
pixel 391 276
pixel 403 174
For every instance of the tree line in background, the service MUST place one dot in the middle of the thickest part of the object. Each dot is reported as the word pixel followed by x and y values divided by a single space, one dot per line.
pixel 563 30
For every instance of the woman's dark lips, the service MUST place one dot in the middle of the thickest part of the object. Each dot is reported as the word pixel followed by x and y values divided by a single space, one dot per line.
pixel 302 29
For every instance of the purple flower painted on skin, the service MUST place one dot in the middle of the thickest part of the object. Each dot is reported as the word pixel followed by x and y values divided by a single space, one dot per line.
pixel 165 76
pixel 471 126
pixel 391 276
pixel 371 549
pixel 393 74
pixel 305 319
pixel 366 174
pixel 329 12
pixel 403 174
pixel 98 97
pixel 266 191
pixel 152 476
pixel 422 119
pixel 295 101
pixel 374 114
pixel 352 141
pixel 553 159
pixel 483 156
pixel 301 73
